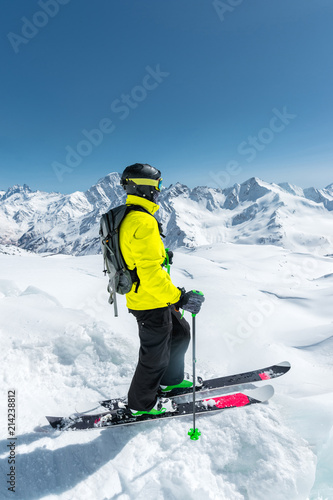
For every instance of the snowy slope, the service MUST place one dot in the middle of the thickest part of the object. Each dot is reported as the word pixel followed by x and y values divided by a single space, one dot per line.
pixel 254 212
pixel 61 346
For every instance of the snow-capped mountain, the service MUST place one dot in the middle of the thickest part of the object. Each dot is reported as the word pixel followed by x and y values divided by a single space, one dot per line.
pixel 63 351
pixel 254 212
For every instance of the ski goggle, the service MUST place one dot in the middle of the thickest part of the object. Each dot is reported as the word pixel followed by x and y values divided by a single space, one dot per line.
pixel 156 183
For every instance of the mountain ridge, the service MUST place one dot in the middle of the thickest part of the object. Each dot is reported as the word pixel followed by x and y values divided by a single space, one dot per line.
pixel 253 212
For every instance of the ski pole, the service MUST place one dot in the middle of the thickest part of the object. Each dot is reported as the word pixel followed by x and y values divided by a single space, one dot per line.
pixel 193 432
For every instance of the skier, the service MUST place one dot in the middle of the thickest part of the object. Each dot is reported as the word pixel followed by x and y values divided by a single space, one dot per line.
pixel 154 300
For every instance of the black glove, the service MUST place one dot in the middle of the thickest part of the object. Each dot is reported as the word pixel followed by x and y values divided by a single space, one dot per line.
pixel 190 301
pixel 170 255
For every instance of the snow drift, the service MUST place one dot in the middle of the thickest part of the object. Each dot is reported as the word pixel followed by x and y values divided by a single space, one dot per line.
pixel 62 347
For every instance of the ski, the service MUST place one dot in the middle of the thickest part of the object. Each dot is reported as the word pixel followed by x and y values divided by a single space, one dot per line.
pixel 267 373
pixel 123 416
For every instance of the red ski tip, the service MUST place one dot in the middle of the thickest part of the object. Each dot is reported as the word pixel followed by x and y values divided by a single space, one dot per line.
pixel 238 399
pixel 264 376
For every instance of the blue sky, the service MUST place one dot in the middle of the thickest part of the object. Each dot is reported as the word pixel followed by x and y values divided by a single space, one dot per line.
pixel 209 92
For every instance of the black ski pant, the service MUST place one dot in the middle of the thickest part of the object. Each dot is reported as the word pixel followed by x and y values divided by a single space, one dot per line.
pixel 164 339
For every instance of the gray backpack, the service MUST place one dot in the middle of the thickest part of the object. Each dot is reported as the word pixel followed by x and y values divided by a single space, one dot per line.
pixel 121 278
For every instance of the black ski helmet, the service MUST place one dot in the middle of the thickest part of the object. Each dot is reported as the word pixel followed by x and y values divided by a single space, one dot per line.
pixel 142 180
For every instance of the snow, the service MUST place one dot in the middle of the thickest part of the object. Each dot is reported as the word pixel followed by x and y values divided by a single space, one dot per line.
pixel 254 212
pixel 62 348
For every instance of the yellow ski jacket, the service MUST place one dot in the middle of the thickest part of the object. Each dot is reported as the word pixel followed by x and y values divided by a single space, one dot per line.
pixel 141 245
